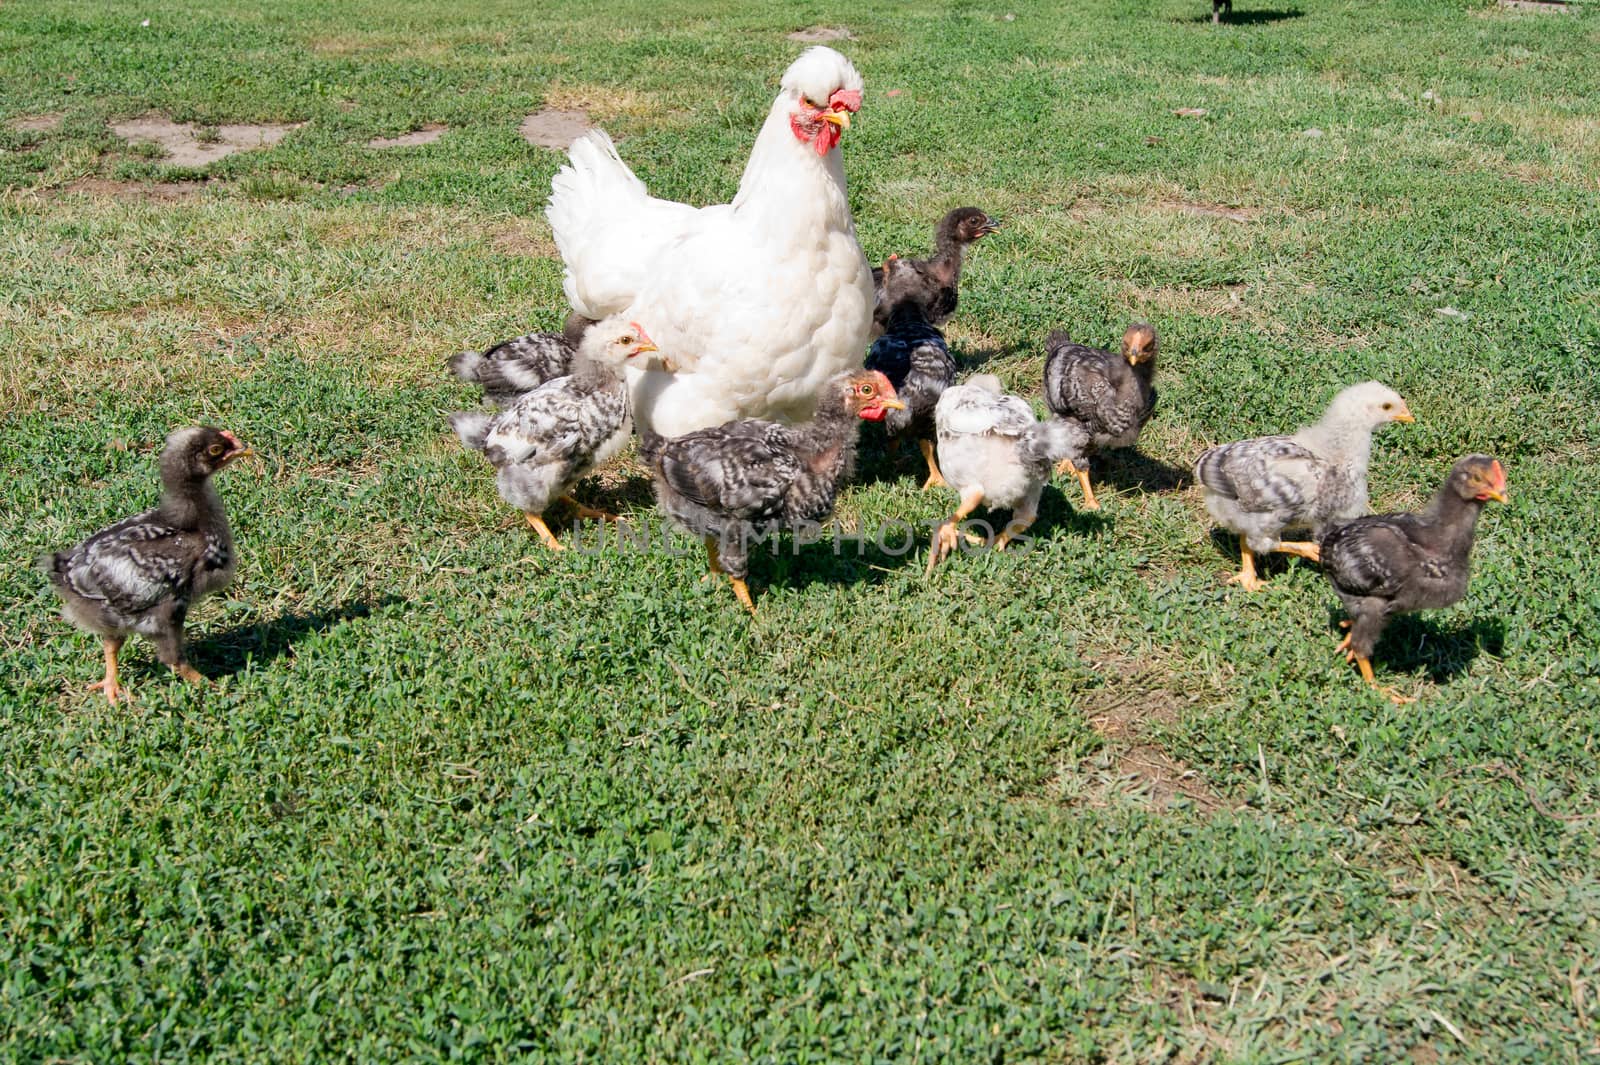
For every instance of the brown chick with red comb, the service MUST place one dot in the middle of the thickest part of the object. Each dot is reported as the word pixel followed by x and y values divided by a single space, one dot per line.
pixel 1390 564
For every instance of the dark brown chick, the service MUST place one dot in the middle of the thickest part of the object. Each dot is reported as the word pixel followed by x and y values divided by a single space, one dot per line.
pixel 743 481
pixel 1111 396
pixel 1390 564
pixel 143 573
pixel 934 283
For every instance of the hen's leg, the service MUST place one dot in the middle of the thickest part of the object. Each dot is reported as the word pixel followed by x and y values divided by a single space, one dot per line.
pixel 549 538
pixel 1307 549
pixel 589 513
pixel 945 536
pixel 935 478
pixel 1246 577
pixel 109 685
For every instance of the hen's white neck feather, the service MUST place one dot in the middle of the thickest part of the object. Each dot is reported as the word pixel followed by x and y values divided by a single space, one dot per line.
pixel 782 190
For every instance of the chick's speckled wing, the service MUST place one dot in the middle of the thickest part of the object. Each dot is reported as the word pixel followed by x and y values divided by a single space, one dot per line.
pixel 558 422
pixel 1371 557
pixel 137 563
pixel 516 367
pixel 743 469
pixel 1271 473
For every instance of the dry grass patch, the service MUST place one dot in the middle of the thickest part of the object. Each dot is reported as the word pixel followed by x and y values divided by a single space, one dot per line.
pixel 156 191
pixel 602 102
pixel 528 237
pixel 37 123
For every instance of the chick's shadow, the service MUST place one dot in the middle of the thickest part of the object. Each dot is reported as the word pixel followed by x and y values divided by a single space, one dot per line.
pixel 1414 640
pixel 228 652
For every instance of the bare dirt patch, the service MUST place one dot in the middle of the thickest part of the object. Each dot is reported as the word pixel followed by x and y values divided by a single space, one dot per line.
pixel 603 102
pixel 182 143
pixel 555 128
pixel 817 34
pixel 1212 210
pixel 426 135
pixel 1132 766
pixel 161 191
pixel 37 123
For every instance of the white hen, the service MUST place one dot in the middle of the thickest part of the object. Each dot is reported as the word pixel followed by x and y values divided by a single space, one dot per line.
pixel 756 303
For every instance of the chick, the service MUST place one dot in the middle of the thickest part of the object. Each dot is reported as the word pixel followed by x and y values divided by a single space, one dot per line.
pixel 934 283
pixel 552 437
pixel 916 360
pixel 1399 563
pixel 1315 478
pixel 993 450
pixel 1110 397
pixel 143 573
pixel 733 483
pixel 513 368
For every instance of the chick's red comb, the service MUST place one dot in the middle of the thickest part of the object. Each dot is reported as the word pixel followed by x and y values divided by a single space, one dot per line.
pixel 1497 473
pixel 845 100
pixel 637 328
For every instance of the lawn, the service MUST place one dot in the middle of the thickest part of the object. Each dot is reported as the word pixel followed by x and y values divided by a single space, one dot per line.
pixel 455 797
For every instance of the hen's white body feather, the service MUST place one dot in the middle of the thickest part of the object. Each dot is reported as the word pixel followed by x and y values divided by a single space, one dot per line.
pixel 755 303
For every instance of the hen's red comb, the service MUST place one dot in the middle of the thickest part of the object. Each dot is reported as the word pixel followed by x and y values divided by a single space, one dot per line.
pixel 845 100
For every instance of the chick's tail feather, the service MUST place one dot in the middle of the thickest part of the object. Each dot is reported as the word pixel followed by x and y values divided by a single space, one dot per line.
pixel 473 428
pixel 1055 439
pixel 468 366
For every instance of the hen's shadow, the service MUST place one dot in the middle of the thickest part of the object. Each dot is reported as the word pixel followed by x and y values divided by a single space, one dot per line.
pixel 228 652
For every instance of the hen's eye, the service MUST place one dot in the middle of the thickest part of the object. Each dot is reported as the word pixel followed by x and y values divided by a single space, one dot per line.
pixel 214 449
pixel 866 390
pixel 809 102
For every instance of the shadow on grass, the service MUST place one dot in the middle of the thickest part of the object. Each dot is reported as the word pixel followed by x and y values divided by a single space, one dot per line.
pixel 1417 640
pixel 228 652
pixel 1128 467
pixel 1242 17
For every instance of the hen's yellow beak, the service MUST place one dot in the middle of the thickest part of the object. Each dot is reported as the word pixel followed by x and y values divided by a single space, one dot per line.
pixel 838 118
pixel 891 404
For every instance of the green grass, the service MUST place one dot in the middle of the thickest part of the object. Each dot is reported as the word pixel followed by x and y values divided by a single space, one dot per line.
pixel 454 797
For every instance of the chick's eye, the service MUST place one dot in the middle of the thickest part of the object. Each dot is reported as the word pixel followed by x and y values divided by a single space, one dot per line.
pixel 1388 406
pixel 214 449
pixel 625 340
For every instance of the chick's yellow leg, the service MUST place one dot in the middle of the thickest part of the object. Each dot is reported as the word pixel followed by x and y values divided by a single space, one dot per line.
pixel 1365 666
pixel 549 538
pixel 190 674
pixel 714 561
pixel 935 478
pixel 742 590
pixel 1089 501
pixel 1246 577
pixel 1020 523
pixel 1306 549
pixel 589 513
pixel 108 684
pixel 946 535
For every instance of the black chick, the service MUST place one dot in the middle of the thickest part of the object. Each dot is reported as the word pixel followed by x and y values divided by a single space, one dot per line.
pixel 745 480
pixel 143 573
pixel 513 368
pixel 932 283
pixel 916 360
pixel 1111 396
pixel 1391 564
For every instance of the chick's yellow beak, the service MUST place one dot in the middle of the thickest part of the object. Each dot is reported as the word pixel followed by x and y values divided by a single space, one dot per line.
pixel 1404 414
